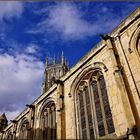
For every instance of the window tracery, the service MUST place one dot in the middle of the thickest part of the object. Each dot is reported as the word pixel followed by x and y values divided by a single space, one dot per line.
pixel 48 122
pixel 93 110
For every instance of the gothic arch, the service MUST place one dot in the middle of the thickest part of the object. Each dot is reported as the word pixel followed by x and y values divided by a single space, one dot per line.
pixel 24 128
pixel 88 89
pixel 92 67
pixel 47 119
pixel 134 43
pixel 45 103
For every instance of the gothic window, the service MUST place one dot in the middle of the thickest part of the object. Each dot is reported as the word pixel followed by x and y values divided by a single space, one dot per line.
pixel 93 110
pixel 48 121
pixel 103 112
pixel 24 129
pixel 84 113
pixel 98 108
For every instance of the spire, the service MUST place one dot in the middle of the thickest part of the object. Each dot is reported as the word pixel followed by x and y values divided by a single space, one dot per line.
pixel 3 122
pixel 3 117
pixel 47 62
pixel 63 58
pixel 67 63
pixel 54 60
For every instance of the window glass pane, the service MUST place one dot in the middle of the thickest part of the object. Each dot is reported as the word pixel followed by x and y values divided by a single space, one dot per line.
pixel 82 114
pixel 106 105
pixel 101 129
pixel 89 113
pixel 110 125
pixel 98 109
pixel 84 134
pixel 101 105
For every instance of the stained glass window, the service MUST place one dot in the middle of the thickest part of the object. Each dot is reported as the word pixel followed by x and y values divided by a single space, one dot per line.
pixel 92 101
pixel 98 109
pixel 85 114
pixel 82 114
pixel 107 110
pixel 89 113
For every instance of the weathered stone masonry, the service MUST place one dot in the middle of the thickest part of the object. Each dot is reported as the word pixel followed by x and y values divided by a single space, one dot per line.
pixel 97 98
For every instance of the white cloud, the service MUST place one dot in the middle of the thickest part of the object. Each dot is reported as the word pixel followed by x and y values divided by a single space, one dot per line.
pixel 21 78
pixel 10 9
pixel 65 19
pixel 69 21
pixel 31 48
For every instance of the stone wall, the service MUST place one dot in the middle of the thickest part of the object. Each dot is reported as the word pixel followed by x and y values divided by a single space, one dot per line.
pixel 118 57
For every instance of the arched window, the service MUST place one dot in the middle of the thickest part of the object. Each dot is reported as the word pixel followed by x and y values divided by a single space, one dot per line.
pixel 48 121
pixel 23 130
pixel 93 110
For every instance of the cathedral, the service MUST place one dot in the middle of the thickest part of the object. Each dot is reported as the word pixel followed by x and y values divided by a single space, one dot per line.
pixel 98 98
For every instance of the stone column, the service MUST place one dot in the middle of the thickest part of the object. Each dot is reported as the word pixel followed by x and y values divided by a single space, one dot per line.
pixel 30 126
pixel 14 129
pixel 60 112
pixel 37 125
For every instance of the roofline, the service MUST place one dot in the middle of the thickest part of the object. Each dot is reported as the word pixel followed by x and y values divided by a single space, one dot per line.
pixel 120 28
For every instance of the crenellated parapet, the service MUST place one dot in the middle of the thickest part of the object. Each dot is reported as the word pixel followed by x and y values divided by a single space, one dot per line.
pixel 54 69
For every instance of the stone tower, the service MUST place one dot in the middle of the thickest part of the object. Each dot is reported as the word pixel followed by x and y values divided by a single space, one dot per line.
pixel 3 122
pixel 54 70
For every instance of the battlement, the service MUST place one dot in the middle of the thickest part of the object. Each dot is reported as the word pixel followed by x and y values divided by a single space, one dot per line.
pixel 55 68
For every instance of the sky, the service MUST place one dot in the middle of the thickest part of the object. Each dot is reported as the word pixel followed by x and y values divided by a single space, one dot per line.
pixel 30 31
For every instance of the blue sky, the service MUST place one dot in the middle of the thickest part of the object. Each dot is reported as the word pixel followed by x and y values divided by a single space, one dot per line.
pixel 31 31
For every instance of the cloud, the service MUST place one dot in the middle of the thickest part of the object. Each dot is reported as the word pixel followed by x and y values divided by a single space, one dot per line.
pixel 10 10
pixel 69 21
pixel 21 77
pixel 31 49
pixel 66 20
